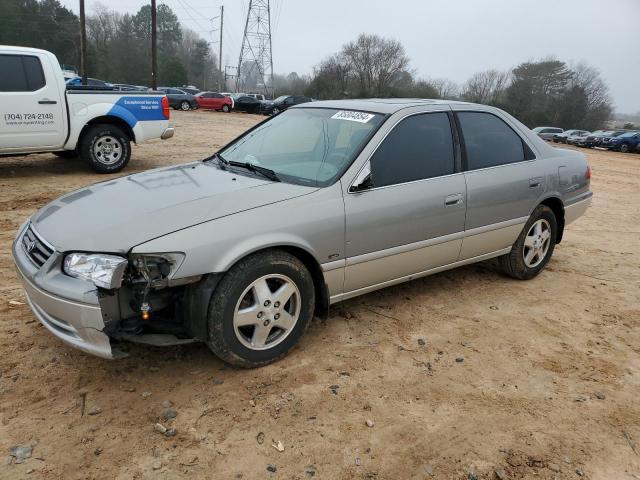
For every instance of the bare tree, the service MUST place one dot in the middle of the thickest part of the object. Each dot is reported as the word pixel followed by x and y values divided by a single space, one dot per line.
pixel 445 87
pixel 486 87
pixel 375 61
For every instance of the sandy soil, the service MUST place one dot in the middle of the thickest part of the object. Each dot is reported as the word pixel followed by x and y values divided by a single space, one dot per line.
pixel 465 371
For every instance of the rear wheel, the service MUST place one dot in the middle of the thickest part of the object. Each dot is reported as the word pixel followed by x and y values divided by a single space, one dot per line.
pixel 260 309
pixel 534 247
pixel 105 148
pixel 185 106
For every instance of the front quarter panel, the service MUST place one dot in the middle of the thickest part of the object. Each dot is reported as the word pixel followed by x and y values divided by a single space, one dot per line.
pixel 313 222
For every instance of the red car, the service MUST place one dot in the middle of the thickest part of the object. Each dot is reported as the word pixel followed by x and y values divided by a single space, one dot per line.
pixel 214 101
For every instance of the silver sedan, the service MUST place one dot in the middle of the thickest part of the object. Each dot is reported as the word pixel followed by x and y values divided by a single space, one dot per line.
pixel 321 203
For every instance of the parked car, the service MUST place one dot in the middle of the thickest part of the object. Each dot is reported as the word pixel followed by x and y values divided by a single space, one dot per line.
pixel 190 89
pixel 214 101
pixel 123 87
pixel 627 142
pixel 547 133
pixel 179 99
pixel 593 139
pixel 40 113
pixel 91 82
pixel 268 232
pixel 575 137
pixel 562 137
pixel 280 104
pixel 247 104
pixel 606 140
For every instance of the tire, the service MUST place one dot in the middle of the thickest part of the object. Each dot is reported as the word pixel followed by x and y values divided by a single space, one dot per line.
pixel 105 148
pixel 226 109
pixel 66 154
pixel 514 263
pixel 185 106
pixel 624 148
pixel 275 111
pixel 233 330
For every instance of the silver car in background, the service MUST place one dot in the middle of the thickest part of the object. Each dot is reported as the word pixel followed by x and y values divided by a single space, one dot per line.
pixel 547 133
pixel 324 202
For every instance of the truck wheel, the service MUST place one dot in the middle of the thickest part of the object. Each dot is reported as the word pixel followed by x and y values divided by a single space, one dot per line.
pixel 66 154
pixel 260 309
pixel 534 247
pixel 106 148
pixel 184 106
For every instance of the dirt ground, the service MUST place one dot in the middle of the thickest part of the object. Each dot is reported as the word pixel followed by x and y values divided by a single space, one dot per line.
pixel 465 371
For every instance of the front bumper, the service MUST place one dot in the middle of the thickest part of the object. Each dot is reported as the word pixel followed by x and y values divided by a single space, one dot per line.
pixel 66 306
pixel 168 133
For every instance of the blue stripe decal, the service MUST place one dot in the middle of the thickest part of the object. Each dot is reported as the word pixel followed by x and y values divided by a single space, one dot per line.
pixel 137 109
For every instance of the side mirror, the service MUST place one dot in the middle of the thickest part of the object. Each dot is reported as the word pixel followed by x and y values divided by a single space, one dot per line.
pixel 364 180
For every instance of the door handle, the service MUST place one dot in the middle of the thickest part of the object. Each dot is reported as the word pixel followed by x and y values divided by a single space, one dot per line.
pixel 455 199
pixel 535 182
pixel 45 101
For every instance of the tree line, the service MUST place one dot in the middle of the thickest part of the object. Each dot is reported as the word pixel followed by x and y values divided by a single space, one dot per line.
pixel 118 45
pixel 543 92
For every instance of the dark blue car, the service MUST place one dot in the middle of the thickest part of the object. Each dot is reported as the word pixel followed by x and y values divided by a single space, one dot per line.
pixel 627 142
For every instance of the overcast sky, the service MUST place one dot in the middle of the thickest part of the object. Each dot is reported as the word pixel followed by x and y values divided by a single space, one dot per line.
pixel 443 38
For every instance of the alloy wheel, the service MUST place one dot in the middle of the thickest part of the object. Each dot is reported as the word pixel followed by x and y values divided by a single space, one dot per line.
pixel 267 312
pixel 536 243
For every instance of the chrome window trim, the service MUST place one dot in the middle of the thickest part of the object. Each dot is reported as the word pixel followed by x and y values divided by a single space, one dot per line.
pixel 391 129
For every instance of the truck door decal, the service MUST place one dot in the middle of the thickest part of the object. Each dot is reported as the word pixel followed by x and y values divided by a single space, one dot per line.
pixel 137 109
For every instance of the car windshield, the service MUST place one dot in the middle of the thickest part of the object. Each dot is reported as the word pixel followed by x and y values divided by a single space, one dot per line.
pixel 309 146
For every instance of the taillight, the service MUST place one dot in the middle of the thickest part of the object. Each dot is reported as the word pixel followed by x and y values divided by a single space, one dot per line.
pixel 587 175
pixel 165 107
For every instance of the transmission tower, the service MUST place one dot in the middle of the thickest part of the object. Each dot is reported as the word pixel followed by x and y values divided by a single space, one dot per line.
pixel 255 60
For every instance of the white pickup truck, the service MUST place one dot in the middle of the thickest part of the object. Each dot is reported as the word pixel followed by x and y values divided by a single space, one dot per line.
pixel 39 114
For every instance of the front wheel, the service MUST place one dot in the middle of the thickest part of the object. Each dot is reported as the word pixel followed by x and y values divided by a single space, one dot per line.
pixel 226 109
pixel 260 309
pixel 184 106
pixel 624 148
pixel 105 148
pixel 534 247
pixel 276 110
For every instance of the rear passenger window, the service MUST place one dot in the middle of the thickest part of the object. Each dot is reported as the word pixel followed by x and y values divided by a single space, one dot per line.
pixel 489 141
pixel 419 147
pixel 20 73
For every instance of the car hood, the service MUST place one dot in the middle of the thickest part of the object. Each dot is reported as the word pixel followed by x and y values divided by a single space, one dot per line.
pixel 116 215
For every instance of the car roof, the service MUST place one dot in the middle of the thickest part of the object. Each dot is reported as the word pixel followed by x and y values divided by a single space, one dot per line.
pixel 377 105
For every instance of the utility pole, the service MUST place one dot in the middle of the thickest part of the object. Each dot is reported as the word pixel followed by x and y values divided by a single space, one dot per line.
pixel 220 48
pixel 154 47
pixel 83 45
pixel 256 47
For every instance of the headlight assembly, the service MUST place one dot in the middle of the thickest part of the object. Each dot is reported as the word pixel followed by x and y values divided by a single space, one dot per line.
pixel 103 270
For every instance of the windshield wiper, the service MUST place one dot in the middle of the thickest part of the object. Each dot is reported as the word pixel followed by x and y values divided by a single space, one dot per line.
pixel 224 163
pixel 265 172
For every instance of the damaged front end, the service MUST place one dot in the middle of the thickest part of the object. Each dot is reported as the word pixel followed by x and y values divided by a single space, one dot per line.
pixel 151 306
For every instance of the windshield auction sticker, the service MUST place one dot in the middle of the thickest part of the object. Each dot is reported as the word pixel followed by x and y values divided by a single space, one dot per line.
pixel 359 117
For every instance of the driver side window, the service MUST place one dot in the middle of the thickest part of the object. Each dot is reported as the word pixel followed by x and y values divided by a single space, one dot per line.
pixel 419 147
